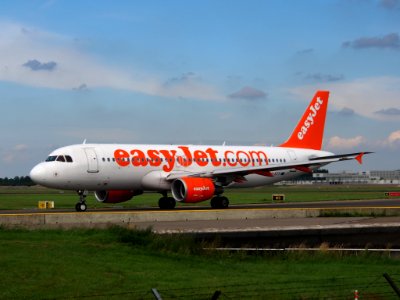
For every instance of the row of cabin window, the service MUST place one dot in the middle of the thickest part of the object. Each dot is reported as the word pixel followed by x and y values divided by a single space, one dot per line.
pixel 61 158
pixel 273 160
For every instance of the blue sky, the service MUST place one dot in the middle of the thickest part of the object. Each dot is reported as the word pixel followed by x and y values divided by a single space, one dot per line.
pixel 200 72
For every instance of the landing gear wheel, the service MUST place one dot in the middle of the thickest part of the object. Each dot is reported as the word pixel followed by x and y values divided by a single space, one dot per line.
pixel 224 202
pixel 80 206
pixel 219 202
pixel 214 202
pixel 166 203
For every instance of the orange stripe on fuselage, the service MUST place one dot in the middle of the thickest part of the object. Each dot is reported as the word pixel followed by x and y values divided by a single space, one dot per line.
pixel 201 158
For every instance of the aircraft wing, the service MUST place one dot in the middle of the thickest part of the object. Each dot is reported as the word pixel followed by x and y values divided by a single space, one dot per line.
pixel 266 170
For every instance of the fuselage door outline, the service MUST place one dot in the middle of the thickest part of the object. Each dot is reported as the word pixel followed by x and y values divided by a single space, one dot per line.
pixel 91 156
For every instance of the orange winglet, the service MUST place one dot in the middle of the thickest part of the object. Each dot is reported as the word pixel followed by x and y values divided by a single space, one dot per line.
pixel 359 157
pixel 303 169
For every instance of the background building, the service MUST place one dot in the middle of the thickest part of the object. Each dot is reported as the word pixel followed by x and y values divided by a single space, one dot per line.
pixel 368 177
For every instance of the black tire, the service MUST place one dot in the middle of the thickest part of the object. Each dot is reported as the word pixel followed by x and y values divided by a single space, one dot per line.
pixel 219 202
pixel 171 203
pixel 224 202
pixel 166 203
pixel 161 203
pixel 215 202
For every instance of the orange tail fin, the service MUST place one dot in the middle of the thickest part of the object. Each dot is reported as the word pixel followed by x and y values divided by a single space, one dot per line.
pixel 309 132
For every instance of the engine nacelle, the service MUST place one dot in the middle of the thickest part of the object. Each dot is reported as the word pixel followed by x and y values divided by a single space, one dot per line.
pixel 192 189
pixel 115 196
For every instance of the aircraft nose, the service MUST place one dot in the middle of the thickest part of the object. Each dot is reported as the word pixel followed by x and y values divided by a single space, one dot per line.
pixel 38 174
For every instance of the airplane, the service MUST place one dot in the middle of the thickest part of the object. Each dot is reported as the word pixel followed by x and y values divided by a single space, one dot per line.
pixel 191 173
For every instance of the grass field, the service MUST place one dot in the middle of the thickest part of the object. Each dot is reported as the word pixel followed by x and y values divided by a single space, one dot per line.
pixel 117 263
pixel 120 264
pixel 28 197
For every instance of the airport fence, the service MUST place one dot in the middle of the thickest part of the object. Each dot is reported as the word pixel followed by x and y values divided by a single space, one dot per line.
pixel 368 287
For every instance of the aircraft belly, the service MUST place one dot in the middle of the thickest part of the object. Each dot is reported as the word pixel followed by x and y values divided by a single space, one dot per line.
pixel 254 180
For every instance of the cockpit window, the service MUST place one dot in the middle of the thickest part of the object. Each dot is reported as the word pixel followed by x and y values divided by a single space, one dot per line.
pixel 61 158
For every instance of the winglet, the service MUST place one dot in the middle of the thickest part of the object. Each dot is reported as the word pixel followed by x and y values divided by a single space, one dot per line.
pixel 359 157
pixel 309 132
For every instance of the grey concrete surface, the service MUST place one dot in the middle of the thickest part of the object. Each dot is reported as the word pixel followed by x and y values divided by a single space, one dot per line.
pixel 195 219
pixel 257 226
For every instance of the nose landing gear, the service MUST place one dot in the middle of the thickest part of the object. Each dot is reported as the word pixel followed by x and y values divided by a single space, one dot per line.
pixel 81 205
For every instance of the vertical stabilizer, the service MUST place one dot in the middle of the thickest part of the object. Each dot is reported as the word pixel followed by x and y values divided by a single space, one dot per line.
pixel 309 132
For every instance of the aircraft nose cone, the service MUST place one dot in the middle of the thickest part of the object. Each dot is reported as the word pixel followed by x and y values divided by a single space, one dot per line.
pixel 38 174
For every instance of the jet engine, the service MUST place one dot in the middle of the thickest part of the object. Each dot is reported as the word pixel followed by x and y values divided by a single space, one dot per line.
pixel 115 196
pixel 192 189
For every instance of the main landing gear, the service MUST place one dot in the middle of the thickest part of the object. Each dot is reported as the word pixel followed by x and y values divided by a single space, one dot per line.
pixel 166 202
pixel 81 205
pixel 219 202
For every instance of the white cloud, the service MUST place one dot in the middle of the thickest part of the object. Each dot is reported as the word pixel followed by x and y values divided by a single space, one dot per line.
pixel 187 85
pixel 365 96
pixel 391 41
pixel 20 147
pixel 248 93
pixel 390 4
pixel 389 143
pixel 345 143
pixel 393 139
pixel 17 153
pixel 20 44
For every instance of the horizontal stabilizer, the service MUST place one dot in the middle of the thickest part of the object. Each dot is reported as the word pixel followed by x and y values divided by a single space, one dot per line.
pixel 357 156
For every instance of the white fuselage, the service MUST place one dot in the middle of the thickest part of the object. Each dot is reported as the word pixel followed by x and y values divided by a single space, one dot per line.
pixel 146 167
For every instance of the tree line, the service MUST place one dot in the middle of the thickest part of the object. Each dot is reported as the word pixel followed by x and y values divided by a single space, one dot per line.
pixel 16 181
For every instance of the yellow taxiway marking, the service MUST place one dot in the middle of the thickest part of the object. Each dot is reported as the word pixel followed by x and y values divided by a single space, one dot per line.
pixel 196 211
